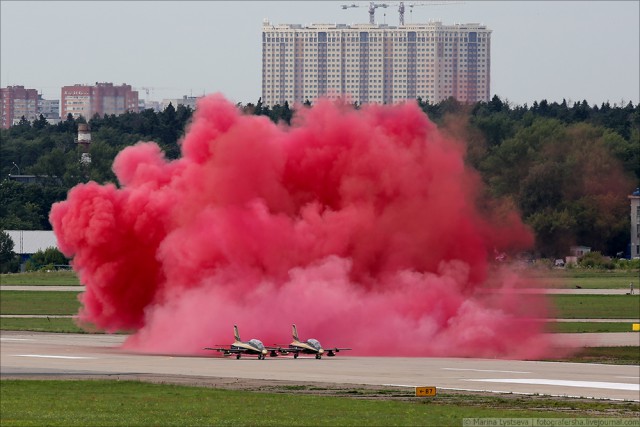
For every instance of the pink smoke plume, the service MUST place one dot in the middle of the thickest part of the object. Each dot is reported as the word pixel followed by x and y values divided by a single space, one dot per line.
pixel 363 227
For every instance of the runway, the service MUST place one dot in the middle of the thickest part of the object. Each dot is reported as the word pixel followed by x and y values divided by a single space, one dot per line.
pixel 30 353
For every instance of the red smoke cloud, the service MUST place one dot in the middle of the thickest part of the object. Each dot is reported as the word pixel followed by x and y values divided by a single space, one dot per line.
pixel 362 227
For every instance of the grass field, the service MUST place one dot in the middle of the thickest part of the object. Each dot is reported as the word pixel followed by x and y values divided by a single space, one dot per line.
pixel 60 325
pixel 596 306
pixel 592 327
pixel 588 279
pixel 38 302
pixel 41 278
pixel 608 355
pixel 66 303
pixel 569 278
pixel 67 325
pixel 566 306
pixel 80 403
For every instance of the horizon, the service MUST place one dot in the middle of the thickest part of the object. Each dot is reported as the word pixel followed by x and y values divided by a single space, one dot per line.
pixel 539 51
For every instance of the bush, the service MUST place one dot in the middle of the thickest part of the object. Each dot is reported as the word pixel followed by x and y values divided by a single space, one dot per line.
pixel 627 264
pixel 596 260
pixel 46 260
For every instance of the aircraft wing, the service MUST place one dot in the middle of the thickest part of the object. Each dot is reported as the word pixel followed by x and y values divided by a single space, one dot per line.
pixel 336 349
pixel 226 350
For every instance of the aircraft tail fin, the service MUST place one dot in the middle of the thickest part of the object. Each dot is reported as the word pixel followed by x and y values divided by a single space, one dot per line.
pixel 236 334
pixel 295 332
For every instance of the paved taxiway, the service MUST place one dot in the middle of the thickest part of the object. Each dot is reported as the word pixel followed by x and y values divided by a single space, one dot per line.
pixel 24 353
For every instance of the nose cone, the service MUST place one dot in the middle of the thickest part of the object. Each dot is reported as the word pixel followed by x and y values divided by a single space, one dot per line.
pixel 321 351
pixel 264 351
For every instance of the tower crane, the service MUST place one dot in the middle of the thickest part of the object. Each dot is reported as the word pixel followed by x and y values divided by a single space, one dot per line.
pixel 401 8
pixel 372 9
pixel 412 5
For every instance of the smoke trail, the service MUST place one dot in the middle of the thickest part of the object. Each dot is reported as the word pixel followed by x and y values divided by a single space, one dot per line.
pixel 362 227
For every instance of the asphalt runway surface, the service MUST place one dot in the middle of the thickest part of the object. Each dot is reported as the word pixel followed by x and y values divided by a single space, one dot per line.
pixel 29 354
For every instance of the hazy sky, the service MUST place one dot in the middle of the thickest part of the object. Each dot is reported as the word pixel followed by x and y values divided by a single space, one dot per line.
pixel 539 49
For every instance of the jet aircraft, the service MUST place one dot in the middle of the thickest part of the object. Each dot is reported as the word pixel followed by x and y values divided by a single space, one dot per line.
pixel 239 347
pixel 310 346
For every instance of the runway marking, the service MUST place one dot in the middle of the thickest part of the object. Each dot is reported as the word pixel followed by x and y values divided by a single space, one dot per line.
pixel 566 383
pixel 633 378
pixel 485 370
pixel 53 357
pixel 16 339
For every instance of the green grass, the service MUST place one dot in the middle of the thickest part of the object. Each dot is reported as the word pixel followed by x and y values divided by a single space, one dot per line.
pixel 41 278
pixel 595 306
pixel 62 325
pixel 607 355
pixel 80 403
pixel 38 302
pixel 584 327
pixel 592 279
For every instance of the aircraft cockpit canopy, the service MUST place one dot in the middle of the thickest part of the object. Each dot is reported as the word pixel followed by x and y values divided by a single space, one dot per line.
pixel 314 343
pixel 256 343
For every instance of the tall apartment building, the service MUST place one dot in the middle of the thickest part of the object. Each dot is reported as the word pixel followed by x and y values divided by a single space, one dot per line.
pixel 18 102
pixel 49 108
pixel 103 98
pixel 375 62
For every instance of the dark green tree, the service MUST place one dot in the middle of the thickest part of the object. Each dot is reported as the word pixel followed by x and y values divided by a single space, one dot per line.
pixel 9 261
pixel 49 258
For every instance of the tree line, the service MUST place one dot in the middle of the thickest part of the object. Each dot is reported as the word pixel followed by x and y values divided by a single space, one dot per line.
pixel 567 168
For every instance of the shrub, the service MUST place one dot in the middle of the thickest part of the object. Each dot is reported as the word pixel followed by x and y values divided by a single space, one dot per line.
pixel 596 260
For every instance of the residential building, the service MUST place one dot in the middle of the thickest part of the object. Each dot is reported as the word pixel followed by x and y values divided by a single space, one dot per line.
pixel 102 98
pixel 18 102
pixel 375 62
pixel 49 109
pixel 148 105
pixel 187 101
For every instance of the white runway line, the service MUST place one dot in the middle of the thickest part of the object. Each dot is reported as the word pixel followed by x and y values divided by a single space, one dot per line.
pixel 47 356
pixel 564 383
pixel 16 339
pixel 485 370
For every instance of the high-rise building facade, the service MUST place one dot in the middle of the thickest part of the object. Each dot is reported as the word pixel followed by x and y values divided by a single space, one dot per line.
pixel 103 98
pixel 49 109
pixel 375 62
pixel 18 102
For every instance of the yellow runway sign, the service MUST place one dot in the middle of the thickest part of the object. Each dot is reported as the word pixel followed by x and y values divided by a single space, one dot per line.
pixel 425 391
pixel 636 327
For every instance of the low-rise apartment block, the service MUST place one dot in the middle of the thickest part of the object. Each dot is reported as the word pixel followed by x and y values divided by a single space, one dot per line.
pixel 102 98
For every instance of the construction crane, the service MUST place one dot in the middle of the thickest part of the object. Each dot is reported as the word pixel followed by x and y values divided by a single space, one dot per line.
pixel 412 5
pixel 146 89
pixel 372 9
pixel 401 8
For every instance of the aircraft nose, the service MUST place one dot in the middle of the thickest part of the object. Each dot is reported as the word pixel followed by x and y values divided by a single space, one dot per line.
pixel 321 351
pixel 264 351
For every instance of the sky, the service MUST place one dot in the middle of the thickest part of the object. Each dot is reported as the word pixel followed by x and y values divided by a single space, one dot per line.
pixel 553 50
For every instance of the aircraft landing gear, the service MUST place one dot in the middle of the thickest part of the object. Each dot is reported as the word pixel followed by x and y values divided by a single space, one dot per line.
pixel 318 356
pixel 261 357
pixel 295 355
pixel 238 356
